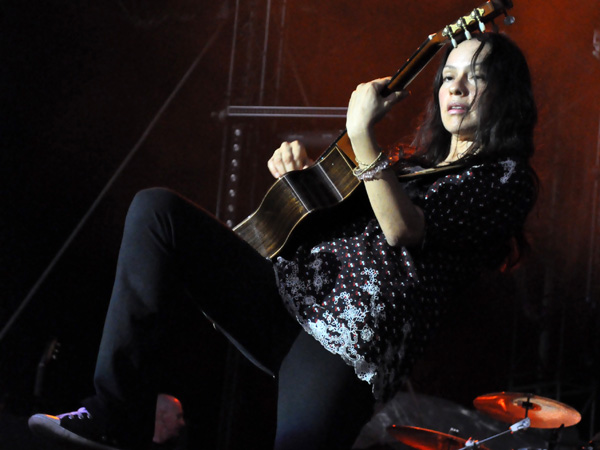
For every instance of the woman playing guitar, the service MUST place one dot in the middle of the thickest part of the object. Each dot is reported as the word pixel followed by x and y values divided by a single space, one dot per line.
pixel 351 307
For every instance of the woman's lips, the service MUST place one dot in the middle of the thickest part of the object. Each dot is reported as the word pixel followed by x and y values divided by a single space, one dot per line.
pixel 457 108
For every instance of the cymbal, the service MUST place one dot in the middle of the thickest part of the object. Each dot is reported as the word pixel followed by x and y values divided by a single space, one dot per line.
pixel 513 406
pixel 424 439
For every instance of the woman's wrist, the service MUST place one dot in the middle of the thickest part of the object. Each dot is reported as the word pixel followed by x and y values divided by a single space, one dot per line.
pixel 364 145
pixel 373 170
pixel 359 132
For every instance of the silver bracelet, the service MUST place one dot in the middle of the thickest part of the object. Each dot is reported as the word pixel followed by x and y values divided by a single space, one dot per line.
pixel 373 172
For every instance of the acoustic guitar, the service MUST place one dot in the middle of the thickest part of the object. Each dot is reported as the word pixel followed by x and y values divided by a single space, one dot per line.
pixel 330 180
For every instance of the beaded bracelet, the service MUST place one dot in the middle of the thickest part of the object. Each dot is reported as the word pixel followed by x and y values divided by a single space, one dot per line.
pixel 373 170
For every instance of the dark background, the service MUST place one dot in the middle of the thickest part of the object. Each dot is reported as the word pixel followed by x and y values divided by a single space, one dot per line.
pixel 102 99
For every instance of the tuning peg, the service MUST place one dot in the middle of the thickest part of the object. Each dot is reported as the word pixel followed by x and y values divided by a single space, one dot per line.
pixel 448 33
pixel 477 16
pixel 463 25
pixel 509 20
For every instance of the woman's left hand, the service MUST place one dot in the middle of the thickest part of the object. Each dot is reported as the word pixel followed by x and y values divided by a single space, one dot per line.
pixel 289 156
pixel 367 106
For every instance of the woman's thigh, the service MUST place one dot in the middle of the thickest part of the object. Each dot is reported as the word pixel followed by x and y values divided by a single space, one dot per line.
pixel 229 281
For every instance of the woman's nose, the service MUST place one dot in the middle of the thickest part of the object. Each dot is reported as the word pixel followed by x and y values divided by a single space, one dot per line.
pixel 457 87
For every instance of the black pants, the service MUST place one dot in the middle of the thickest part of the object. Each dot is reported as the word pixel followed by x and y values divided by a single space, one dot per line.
pixel 174 253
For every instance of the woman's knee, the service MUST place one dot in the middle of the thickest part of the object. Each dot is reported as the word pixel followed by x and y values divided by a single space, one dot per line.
pixel 153 199
pixel 150 204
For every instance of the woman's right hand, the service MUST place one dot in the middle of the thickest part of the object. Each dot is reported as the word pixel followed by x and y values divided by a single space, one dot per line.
pixel 289 156
pixel 367 106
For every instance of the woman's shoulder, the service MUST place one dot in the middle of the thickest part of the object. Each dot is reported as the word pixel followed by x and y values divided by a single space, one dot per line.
pixel 508 175
pixel 504 176
pixel 507 170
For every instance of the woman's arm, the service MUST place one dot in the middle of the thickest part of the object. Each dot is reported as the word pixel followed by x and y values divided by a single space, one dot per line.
pixel 401 221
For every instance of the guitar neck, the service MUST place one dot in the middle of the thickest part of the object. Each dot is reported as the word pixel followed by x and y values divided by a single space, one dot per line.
pixel 424 54
pixel 454 33
pixel 407 73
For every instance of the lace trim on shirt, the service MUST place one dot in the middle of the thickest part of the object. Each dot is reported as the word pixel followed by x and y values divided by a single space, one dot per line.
pixel 509 167
pixel 344 332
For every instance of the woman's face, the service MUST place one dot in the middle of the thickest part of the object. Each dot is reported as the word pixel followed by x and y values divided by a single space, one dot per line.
pixel 461 86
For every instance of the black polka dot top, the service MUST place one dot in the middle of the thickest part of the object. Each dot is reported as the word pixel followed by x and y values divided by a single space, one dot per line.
pixel 377 306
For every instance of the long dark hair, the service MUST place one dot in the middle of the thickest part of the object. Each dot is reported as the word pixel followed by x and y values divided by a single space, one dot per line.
pixel 507 110
pixel 506 120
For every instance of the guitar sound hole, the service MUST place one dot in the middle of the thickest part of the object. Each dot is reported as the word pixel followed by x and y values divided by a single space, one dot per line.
pixel 314 188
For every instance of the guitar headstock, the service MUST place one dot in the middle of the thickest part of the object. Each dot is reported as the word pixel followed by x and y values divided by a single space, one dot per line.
pixel 476 20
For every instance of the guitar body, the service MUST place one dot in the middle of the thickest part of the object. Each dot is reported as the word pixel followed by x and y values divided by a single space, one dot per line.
pixel 298 203
pixel 293 197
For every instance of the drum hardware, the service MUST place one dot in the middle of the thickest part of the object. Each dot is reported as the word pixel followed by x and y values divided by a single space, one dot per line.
pixel 524 411
pixel 424 439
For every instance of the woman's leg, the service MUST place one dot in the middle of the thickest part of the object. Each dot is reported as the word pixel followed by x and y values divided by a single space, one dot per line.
pixel 172 251
pixel 321 402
